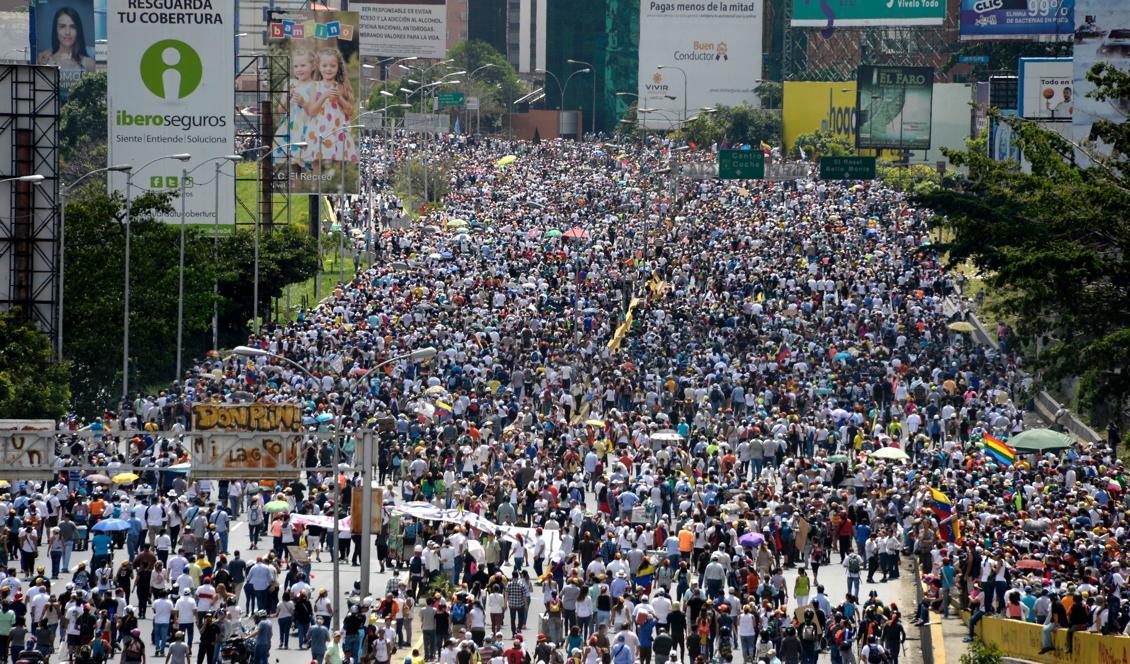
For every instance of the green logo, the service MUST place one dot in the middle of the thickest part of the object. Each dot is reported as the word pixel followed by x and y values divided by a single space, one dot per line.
pixel 171 69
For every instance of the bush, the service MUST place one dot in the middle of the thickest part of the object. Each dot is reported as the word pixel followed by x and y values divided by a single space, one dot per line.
pixel 981 653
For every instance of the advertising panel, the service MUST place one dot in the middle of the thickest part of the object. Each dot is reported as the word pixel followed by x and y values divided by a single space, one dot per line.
pixel 170 91
pixel 403 28
pixel 710 54
pixel 867 13
pixel 325 101
pixel 1103 36
pixel 63 34
pixel 895 106
pixel 1002 144
pixel 830 105
pixel 813 105
pixel 1034 20
pixel 1046 89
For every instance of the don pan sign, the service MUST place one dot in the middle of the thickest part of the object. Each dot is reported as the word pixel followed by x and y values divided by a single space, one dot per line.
pixel 246 417
pixel 227 455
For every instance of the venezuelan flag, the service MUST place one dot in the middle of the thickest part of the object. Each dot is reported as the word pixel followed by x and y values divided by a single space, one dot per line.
pixel 249 373
pixel 782 352
pixel 998 451
pixel 942 507
pixel 443 409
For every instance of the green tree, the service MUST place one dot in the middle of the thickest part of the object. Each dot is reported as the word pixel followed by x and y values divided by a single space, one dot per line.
pixel 32 386
pixel 822 143
pixel 771 94
pixel 94 295
pixel 1054 245
pixel 82 128
pixel 287 255
pixel 915 178
pixel 746 124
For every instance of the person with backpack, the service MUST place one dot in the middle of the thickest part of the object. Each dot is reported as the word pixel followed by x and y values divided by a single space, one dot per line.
pixel 809 638
pixel 893 635
pixel 845 641
pixel 854 565
pixel 873 653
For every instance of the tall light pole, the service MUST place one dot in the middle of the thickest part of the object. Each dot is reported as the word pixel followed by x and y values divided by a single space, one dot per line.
pixel 120 168
pixel 418 355
pixel 593 68
pixel 531 97
pixel 182 157
pixel 471 78
pixel 684 73
pixel 270 149
pixel 180 265
pixel 561 89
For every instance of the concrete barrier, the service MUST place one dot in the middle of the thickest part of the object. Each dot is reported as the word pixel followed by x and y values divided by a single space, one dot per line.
pixel 1021 640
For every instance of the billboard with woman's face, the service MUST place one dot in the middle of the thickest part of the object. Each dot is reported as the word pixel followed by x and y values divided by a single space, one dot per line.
pixel 63 34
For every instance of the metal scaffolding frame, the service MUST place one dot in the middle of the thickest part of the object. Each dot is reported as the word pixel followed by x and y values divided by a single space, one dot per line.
pixel 29 241
pixel 270 184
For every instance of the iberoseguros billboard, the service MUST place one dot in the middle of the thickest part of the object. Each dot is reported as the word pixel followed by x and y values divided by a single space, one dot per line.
pixel 813 105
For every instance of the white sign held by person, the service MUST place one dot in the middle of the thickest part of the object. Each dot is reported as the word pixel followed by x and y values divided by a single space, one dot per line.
pixel 170 91
pixel 403 28
pixel 714 47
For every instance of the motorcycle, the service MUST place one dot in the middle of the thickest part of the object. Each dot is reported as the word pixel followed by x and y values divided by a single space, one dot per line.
pixel 237 649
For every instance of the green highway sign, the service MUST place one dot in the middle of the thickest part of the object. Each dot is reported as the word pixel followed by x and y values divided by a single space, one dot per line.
pixel 847 168
pixel 741 164
pixel 450 99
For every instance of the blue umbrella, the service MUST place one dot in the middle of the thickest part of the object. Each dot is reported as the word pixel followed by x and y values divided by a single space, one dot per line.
pixel 111 525
pixel 325 417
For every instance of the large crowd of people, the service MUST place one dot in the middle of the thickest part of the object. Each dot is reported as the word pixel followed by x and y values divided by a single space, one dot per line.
pixel 675 391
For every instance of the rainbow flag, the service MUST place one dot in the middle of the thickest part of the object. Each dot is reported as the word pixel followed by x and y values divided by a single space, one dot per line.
pixel 942 507
pixel 998 451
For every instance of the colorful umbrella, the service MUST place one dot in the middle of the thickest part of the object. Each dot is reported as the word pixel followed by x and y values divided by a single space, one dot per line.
pixel 125 478
pixel 752 540
pixel 594 423
pixel 109 525
pixel 553 232
pixel 277 506
pixel 576 233
pixel 508 159
pixel 98 478
pixel 1040 440
pixel 961 326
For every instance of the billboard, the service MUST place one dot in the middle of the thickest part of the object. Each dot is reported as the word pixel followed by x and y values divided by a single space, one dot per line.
pixel 1033 20
pixel 1046 90
pixel 710 54
pixel 403 28
pixel 325 101
pixel 63 34
pixel 867 13
pixel 170 91
pixel 813 105
pixel 1002 142
pixel 1102 37
pixel 895 107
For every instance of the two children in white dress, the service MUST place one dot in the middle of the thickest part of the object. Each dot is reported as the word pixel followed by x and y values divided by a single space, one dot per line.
pixel 321 106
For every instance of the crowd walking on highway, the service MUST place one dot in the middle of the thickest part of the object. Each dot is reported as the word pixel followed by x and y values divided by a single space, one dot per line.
pixel 689 408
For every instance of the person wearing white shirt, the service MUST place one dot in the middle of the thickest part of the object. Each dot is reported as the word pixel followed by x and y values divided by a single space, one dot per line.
pixel 185 609
pixel 162 616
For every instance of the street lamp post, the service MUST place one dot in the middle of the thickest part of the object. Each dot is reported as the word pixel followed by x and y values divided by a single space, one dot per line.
pixel 684 73
pixel 182 157
pixel 120 168
pixel 418 355
pixel 258 222
pixel 531 97
pixel 185 172
pixel 561 89
pixel 593 68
